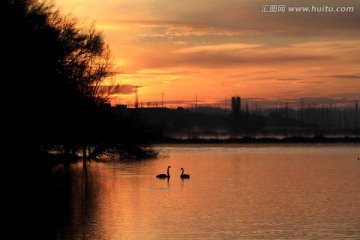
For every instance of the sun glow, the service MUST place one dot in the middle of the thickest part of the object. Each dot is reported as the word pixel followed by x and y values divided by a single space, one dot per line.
pixel 184 51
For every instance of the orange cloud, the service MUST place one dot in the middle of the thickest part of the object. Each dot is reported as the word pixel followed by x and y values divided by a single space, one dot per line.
pixel 213 50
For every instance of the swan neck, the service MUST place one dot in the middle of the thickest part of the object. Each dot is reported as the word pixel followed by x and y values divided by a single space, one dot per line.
pixel 168 172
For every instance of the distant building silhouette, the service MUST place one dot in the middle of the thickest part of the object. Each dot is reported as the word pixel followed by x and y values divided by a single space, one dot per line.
pixel 121 106
pixel 241 121
pixel 236 105
pixel 236 112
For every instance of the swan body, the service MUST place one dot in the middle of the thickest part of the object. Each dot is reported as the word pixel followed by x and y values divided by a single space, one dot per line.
pixel 184 175
pixel 163 175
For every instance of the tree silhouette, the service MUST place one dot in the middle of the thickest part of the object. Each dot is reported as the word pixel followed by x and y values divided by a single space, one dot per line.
pixel 53 69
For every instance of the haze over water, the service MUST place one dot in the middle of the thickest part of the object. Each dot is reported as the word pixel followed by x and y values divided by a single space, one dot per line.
pixel 234 192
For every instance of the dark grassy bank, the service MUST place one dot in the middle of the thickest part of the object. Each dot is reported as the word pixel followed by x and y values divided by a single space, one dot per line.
pixel 262 140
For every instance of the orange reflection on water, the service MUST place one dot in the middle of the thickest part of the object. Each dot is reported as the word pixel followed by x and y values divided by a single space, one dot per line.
pixel 233 193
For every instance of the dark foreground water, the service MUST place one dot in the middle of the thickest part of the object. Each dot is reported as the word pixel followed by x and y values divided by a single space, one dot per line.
pixel 234 192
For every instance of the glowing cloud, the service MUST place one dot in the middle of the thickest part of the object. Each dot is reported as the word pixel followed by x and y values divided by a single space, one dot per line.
pixel 211 49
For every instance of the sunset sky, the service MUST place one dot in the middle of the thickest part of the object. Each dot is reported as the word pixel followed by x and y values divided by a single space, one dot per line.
pixel 214 49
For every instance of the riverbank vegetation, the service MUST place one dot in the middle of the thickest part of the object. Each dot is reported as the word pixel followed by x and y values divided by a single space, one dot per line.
pixel 54 68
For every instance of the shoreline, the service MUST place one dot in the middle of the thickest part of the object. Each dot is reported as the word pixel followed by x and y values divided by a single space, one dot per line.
pixel 262 140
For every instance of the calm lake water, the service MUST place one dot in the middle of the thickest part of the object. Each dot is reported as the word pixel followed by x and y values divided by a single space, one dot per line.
pixel 235 192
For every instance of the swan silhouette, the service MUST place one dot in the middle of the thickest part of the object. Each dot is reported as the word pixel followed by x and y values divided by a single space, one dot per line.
pixel 184 175
pixel 163 175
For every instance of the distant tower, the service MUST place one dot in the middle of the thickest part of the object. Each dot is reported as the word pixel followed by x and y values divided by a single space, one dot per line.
pixel 235 112
pixel 136 97
pixel 235 105
pixel 162 99
pixel 196 103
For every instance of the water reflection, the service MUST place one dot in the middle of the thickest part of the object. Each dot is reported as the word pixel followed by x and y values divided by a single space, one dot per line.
pixel 234 193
